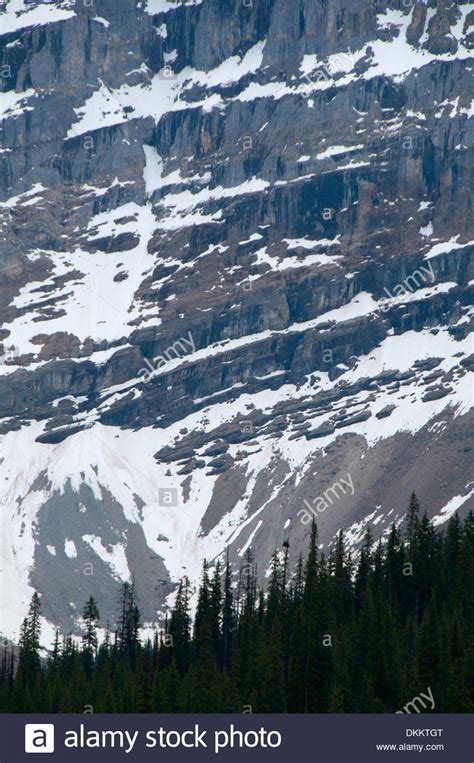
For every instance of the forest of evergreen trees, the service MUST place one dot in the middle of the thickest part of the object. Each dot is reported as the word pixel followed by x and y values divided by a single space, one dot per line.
pixel 328 636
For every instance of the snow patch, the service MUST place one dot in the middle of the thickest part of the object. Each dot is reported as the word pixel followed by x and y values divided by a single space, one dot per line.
pixel 451 508
pixel 116 558
pixel 19 14
pixel 70 549
pixel 11 102
pixel 163 6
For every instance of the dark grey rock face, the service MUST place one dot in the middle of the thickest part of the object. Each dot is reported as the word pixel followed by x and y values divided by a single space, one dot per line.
pixel 236 282
pixel 417 23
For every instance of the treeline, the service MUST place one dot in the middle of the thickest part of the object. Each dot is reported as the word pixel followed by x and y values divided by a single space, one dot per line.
pixel 329 636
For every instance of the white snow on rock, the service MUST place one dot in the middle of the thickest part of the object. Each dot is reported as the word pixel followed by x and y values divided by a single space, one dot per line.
pixel 164 93
pixel 13 104
pixel 19 14
pixel 362 304
pixel 336 150
pixel 181 207
pixel 122 462
pixel 287 263
pixel 24 198
pixel 153 169
pixel 394 58
pixel 153 173
pixel 70 549
pixel 304 243
pixel 446 246
pixel 102 21
pixel 115 558
pixel 229 71
pixel 163 6
pixel 451 508
pixel 95 305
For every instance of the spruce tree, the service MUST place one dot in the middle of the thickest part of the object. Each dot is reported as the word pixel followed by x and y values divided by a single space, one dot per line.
pixel 228 618
pixel 411 519
pixel 91 617
pixel 128 629
pixel 180 627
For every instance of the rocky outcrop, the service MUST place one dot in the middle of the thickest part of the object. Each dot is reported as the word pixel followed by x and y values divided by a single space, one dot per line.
pixel 236 266
pixel 440 40
pixel 417 23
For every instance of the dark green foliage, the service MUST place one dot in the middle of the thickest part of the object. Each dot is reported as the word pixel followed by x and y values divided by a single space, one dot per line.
pixel 328 636
pixel 91 616
pixel 127 635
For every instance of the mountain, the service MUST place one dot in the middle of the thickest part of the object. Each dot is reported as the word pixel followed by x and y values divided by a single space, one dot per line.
pixel 236 277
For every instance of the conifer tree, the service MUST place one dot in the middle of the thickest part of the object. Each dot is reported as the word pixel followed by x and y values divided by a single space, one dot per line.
pixel 411 519
pixel 275 590
pixel 30 661
pixel 228 618
pixel 311 569
pixel 298 584
pixel 180 624
pixel 91 616
pixel 128 629
pixel 56 651
pixel 215 603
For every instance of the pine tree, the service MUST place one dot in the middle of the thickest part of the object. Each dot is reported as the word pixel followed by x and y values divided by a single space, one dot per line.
pixel 298 584
pixel 215 602
pixel 29 664
pixel 310 609
pixel 179 628
pixel 311 569
pixel 393 568
pixel 91 617
pixel 228 618
pixel 411 519
pixel 56 651
pixel 128 630
pixel 364 568
pixel 275 591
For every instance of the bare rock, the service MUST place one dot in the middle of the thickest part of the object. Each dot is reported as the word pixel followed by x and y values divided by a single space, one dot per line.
pixel 417 24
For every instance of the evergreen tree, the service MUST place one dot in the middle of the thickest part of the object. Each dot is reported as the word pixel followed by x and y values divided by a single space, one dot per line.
pixel 29 665
pixel 228 619
pixel 128 630
pixel 411 519
pixel 180 625
pixel 91 617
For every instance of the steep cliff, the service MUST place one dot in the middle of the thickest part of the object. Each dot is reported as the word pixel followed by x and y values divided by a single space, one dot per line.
pixel 235 283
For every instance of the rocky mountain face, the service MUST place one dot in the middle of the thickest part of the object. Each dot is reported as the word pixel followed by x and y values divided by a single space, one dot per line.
pixel 235 283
